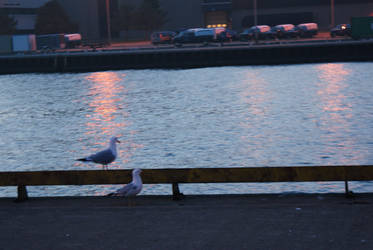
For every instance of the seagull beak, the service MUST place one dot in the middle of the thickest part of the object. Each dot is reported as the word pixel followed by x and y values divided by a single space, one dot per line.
pixel 117 140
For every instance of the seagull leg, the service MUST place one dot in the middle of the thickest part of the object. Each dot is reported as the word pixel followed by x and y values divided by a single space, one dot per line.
pixel 130 203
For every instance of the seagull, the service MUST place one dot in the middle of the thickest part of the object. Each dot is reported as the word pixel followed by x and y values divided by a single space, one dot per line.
pixel 106 156
pixel 132 188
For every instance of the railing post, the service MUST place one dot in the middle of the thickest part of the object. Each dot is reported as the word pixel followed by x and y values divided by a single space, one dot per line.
pixel 21 193
pixel 176 195
pixel 348 193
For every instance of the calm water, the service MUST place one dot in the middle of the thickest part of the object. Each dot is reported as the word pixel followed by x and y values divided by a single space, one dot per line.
pixel 314 114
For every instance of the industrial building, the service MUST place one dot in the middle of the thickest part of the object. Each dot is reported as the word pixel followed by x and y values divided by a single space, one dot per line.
pixel 239 14
pixel 91 15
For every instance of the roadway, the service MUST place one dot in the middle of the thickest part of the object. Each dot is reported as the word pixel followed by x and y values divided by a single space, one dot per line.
pixel 322 37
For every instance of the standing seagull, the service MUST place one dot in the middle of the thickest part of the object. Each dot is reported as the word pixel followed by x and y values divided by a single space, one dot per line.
pixel 132 188
pixel 106 156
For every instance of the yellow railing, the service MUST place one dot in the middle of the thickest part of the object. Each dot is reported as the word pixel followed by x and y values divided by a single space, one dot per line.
pixel 188 175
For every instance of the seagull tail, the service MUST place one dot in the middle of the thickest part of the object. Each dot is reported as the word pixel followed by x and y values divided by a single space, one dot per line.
pixel 82 159
pixel 110 194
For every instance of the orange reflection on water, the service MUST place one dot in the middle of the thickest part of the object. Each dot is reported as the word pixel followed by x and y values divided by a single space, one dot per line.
pixel 255 94
pixel 332 78
pixel 107 99
pixel 337 112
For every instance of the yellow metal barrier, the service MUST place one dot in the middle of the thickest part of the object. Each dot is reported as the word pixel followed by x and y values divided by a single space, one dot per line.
pixel 189 175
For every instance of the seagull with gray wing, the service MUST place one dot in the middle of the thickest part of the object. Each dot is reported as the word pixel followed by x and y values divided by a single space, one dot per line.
pixel 131 189
pixel 106 156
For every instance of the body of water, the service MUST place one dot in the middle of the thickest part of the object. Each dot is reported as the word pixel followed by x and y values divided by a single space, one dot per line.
pixel 291 115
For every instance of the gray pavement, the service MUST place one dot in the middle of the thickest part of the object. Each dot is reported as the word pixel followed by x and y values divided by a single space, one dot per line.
pixel 293 221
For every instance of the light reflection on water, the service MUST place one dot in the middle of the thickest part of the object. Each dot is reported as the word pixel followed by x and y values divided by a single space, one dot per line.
pixel 336 112
pixel 107 97
pixel 316 114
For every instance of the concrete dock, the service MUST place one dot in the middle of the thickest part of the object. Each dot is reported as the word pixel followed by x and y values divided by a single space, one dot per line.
pixel 189 57
pixel 274 221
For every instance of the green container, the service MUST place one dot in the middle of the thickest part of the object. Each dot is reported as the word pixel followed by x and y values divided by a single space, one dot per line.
pixel 5 44
pixel 362 27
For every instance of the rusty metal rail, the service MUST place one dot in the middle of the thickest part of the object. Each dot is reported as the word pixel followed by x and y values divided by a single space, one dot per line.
pixel 188 175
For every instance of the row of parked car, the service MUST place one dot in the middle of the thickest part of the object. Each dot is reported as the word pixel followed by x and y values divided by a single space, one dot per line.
pixel 258 32
pixel 281 31
pixel 196 35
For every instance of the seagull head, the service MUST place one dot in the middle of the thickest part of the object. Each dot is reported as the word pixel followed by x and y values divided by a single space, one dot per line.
pixel 136 171
pixel 114 140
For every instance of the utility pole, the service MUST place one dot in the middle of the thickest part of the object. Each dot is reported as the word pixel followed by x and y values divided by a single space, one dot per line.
pixel 255 21
pixel 108 21
pixel 256 15
pixel 332 13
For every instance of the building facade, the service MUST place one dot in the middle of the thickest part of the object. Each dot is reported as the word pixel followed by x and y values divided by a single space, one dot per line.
pixel 239 14
pixel 24 12
pixel 90 15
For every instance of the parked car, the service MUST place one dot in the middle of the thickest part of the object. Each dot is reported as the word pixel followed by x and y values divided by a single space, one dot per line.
pixel 244 35
pixel 73 40
pixel 205 35
pixel 162 37
pixel 281 31
pixel 260 30
pixel 303 30
pixel 293 33
pixel 341 30
pixel 233 34
pixel 196 35
pixel 186 36
pixel 227 35
pixel 307 29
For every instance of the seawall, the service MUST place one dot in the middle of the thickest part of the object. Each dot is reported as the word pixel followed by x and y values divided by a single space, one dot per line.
pixel 188 57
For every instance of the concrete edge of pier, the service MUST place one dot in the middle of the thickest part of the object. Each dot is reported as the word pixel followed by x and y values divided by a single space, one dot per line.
pixel 254 221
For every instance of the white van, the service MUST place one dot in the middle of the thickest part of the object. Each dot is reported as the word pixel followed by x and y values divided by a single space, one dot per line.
pixel 73 40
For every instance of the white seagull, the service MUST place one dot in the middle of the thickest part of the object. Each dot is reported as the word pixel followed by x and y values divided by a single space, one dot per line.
pixel 132 188
pixel 106 156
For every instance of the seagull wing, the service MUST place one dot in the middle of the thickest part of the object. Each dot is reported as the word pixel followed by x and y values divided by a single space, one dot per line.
pixel 103 157
pixel 130 189
pixel 126 190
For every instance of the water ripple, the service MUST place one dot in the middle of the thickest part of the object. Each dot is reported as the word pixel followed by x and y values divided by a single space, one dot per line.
pixel 315 114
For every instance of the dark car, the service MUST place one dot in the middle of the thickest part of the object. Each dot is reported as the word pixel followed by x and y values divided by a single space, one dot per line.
pixel 186 36
pixel 341 30
pixel 282 31
pixel 307 29
pixel 303 30
pixel 195 35
pixel 244 35
pixel 261 31
pixel 227 35
pixel 162 37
